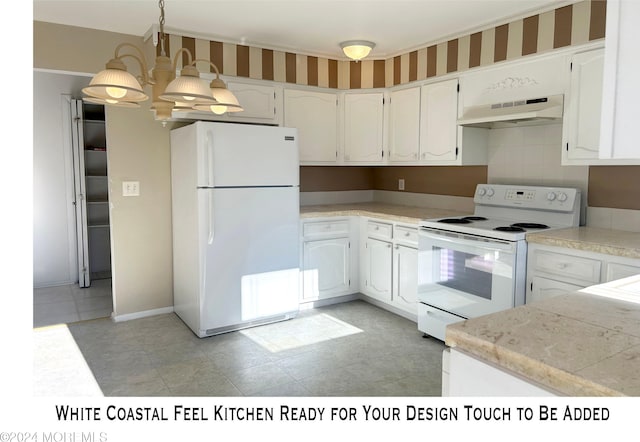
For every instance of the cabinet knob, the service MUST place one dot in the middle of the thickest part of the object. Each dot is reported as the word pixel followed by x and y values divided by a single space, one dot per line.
pixel 407 234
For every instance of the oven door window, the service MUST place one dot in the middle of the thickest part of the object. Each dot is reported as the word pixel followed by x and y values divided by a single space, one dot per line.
pixel 466 278
pixel 465 272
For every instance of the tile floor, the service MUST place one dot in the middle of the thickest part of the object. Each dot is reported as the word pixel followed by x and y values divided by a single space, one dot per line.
pixel 348 349
pixel 69 303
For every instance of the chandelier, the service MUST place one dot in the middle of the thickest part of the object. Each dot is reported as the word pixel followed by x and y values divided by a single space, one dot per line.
pixel 114 86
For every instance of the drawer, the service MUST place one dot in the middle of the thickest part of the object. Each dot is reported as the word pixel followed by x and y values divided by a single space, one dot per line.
pixel 406 234
pixel 434 322
pixel 381 230
pixel 325 228
pixel 566 266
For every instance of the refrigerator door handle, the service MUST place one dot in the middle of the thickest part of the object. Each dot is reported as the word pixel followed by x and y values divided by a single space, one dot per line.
pixel 210 220
pixel 209 158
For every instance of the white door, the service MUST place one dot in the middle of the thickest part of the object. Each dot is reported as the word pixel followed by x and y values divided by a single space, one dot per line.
pixel 405 277
pixel 585 105
pixel 77 139
pixel 439 130
pixel 378 271
pixel 239 155
pixel 544 288
pixel 315 115
pixel 404 125
pixel 326 268
pixel 363 123
pixel 249 254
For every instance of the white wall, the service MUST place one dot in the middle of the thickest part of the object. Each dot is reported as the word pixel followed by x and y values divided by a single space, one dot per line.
pixel 141 237
pixel 54 247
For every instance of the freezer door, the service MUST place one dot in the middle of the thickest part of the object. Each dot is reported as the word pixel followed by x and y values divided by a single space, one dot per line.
pixel 249 256
pixel 242 155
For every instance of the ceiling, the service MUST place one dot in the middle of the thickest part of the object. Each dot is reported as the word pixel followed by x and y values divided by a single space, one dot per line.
pixel 313 27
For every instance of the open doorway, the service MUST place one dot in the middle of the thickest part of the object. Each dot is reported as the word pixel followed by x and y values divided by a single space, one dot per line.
pixel 57 295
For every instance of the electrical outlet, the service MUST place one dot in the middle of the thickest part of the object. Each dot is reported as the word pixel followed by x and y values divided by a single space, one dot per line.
pixel 401 184
pixel 131 188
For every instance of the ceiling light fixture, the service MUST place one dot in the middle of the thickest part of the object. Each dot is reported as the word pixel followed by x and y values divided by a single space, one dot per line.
pixel 357 49
pixel 115 86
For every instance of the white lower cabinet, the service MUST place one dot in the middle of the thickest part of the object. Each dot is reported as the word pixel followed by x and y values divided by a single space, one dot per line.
pixel 544 288
pixel 389 264
pixel 326 259
pixel 325 268
pixel 405 278
pixel 468 375
pixel 378 261
pixel 553 271
pixel 344 255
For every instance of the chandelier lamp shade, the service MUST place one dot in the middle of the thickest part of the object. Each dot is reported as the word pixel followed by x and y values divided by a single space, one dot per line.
pixel 225 100
pixel 357 49
pixel 115 86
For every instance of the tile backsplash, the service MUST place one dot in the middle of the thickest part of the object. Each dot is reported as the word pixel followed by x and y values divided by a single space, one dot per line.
pixel 532 155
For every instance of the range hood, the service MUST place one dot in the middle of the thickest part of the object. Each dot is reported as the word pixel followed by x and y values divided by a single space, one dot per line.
pixel 531 111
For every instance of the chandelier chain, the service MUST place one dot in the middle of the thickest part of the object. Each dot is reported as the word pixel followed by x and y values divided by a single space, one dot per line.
pixel 161 5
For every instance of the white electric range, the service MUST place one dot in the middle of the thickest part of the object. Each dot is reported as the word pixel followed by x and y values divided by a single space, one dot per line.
pixel 474 265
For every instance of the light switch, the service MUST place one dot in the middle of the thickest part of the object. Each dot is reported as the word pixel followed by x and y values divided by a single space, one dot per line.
pixel 401 184
pixel 131 188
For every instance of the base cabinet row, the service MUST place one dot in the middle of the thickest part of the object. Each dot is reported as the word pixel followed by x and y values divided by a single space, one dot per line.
pixel 553 271
pixel 344 256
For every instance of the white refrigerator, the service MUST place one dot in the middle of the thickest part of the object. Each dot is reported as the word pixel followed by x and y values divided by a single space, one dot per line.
pixel 235 207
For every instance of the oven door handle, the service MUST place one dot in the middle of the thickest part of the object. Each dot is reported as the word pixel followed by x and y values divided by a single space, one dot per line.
pixel 460 239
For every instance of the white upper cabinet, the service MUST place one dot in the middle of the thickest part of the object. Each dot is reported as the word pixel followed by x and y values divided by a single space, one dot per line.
pixel 363 127
pixel 583 105
pixel 315 115
pixel 621 90
pixel 404 126
pixel 258 102
pixel 439 130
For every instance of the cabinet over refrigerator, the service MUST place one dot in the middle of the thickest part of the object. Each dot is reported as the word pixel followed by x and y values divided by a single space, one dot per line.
pixel 235 206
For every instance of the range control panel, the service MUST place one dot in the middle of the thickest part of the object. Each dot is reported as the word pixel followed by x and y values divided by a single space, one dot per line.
pixel 527 197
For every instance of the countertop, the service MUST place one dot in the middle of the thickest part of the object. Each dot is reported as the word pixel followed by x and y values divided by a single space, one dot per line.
pixel 581 344
pixel 591 239
pixel 392 212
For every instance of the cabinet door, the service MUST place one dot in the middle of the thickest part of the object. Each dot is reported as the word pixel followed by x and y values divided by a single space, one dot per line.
pixel 584 106
pixel 439 125
pixel 315 115
pixel 378 270
pixel 404 125
pixel 405 277
pixel 326 268
pixel 543 288
pixel 621 95
pixel 258 101
pixel 618 271
pixel 363 121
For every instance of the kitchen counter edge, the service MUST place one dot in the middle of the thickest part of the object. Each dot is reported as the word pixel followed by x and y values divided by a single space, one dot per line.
pixel 591 239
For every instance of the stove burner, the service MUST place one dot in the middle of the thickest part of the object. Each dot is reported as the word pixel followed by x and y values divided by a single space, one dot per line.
pixel 475 218
pixel 454 221
pixel 530 225
pixel 509 229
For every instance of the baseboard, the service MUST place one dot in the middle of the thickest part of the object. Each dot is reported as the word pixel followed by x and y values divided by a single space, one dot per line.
pixel 142 314
pixel 390 308
pixel 329 301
